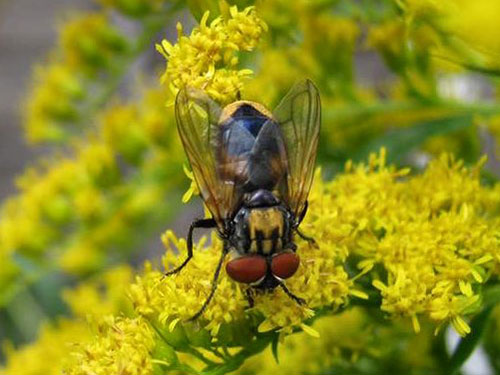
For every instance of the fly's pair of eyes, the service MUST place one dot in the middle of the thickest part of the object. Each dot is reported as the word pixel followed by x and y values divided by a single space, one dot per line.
pixel 252 268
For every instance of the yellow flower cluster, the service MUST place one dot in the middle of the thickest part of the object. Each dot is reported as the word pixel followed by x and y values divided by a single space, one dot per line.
pixel 425 244
pixel 91 301
pixel 207 58
pixel 87 43
pixel 420 250
pixel 91 194
pixel 56 92
pixel 126 350
pixel 434 236
pixel 90 42
pixel 48 354
pixel 349 342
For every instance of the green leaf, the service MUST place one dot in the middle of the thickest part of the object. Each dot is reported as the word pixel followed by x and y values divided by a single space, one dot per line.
pixel 198 9
pixel 274 347
pixel 399 142
pixel 467 345
pixel 233 363
pixel 241 4
pixel 491 295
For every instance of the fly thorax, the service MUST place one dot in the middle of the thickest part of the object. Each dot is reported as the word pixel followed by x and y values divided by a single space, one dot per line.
pixel 263 230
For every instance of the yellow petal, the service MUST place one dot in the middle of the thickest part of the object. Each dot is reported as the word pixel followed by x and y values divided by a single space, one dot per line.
pixel 265 326
pixel 309 330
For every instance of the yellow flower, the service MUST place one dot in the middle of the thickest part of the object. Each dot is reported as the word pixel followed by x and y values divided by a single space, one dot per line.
pixel 89 203
pixel 423 243
pixel 74 210
pixel 244 29
pixel 49 353
pixel 207 58
pixel 125 348
pixel 80 257
pixel 52 101
pixel 90 41
pixel 320 280
pixel 193 187
pixel 98 161
pixel 122 130
pixel 93 299
pixel 428 233
pixel 101 295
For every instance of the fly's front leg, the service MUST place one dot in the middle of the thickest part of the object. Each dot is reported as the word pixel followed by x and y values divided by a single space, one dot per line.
pixel 249 294
pixel 309 239
pixel 199 223
pixel 214 285
pixel 299 300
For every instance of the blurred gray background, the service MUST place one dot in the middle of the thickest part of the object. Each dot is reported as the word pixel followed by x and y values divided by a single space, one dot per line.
pixel 27 32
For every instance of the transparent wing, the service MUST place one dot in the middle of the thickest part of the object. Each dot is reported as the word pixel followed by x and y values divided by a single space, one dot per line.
pixel 299 116
pixel 197 122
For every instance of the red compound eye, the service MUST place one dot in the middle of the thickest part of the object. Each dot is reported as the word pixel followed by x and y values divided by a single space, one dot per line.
pixel 247 269
pixel 285 265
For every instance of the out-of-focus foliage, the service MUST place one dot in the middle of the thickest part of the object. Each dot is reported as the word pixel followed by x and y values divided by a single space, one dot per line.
pixel 408 242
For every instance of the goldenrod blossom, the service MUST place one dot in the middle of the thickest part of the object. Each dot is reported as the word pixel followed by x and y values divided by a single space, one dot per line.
pixel 207 58
pixel 90 41
pixel 55 94
pixel 423 243
pixel 72 210
pixel 90 300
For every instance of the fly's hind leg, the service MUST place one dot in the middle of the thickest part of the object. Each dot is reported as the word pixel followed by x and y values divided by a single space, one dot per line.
pixel 199 223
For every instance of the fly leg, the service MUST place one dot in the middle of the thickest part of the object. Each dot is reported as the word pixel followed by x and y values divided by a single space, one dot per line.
pixel 199 223
pixel 302 235
pixel 214 285
pixel 303 213
pixel 250 300
pixel 309 239
pixel 299 300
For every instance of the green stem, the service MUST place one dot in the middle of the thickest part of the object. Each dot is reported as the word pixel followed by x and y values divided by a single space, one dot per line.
pixel 237 360
pixel 468 344
pixel 491 298
pixel 386 107
pixel 190 350
pixel 26 314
